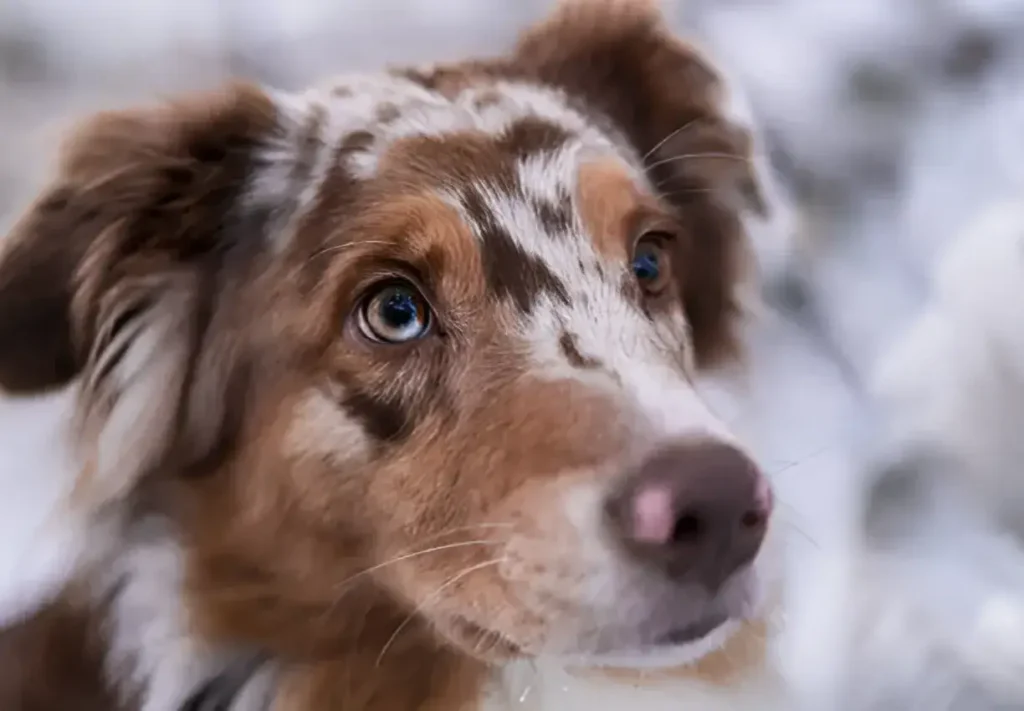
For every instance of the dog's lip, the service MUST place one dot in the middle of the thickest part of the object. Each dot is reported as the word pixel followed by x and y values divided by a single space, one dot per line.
pixel 498 645
pixel 672 648
pixel 693 632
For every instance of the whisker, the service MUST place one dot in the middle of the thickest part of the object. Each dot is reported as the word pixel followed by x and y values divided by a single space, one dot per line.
pixel 429 599
pixel 487 640
pixel 682 191
pixel 803 534
pixel 414 554
pixel 790 464
pixel 526 694
pixel 470 527
pixel 789 521
pixel 398 559
pixel 348 245
pixel 695 156
pixel 668 138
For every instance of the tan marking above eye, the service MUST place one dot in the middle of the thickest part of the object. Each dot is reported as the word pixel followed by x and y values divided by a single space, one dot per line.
pixel 613 208
pixel 418 230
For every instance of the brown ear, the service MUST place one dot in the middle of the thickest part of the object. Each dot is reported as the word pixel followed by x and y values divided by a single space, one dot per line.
pixel 119 279
pixel 136 192
pixel 677 111
pixel 36 351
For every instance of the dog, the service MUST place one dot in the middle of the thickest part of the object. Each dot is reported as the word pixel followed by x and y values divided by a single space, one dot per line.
pixel 384 392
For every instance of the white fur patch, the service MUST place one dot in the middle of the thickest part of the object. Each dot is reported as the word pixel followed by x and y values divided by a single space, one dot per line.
pixel 152 651
pixel 321 429
pixel 37 470
pixel 131 406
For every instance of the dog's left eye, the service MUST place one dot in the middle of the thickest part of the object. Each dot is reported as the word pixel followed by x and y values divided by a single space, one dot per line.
pixel 650 263
pixel 394 313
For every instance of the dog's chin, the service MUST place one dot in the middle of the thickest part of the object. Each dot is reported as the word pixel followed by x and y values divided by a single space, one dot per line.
pixel 669 637
pixel 674 648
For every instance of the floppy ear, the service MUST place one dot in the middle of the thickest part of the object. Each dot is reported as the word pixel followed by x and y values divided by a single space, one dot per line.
pixel 112 279
pixel 689 126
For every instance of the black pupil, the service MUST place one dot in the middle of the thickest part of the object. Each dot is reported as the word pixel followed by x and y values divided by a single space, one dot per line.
pixel 645 265
pixel 399 309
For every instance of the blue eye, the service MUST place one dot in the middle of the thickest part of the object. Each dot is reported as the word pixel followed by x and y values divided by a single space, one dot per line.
pixel 646 266
pixel 396 313
pixel 649 264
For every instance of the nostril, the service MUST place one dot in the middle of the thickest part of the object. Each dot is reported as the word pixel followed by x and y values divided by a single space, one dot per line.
pixel 688 528
pixel 753 519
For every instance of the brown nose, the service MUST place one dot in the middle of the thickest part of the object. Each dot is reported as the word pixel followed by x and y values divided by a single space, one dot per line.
pixel 697 510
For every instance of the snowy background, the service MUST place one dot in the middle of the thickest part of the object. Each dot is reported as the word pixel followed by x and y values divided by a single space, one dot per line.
pixel 895 122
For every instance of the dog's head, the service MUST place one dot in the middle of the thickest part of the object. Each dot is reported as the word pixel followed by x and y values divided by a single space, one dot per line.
pixel 429 336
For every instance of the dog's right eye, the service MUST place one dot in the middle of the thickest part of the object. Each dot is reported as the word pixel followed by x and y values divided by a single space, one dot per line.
pixel 394 313
pixel 650 262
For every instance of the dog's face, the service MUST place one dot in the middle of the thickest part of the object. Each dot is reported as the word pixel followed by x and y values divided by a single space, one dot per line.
pixel 428 335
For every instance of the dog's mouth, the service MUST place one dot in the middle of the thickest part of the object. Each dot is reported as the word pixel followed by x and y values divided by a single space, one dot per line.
pixel 483 643
pixel 674 627
pixel 672 647
pixel 684 643
pixel 693 633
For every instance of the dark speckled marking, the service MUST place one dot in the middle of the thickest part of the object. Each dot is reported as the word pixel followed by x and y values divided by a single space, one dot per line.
pixel 510 272
pixel 570 349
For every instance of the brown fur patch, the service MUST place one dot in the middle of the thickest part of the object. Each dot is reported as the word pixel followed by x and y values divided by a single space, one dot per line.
pixel 530 136
pixel 285 571
pixel 54 659
pixel 35 290
pixel 610 206
pixel 431 680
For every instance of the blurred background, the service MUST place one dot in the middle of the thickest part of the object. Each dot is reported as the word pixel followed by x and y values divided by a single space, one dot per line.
pixel 893 123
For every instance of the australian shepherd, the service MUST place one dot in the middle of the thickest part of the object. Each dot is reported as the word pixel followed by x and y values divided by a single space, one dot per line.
pixel 385 390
